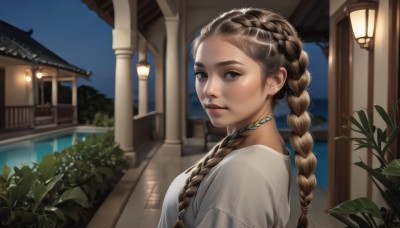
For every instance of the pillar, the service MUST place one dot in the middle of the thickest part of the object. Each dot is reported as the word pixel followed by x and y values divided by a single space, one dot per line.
pixel 74 100
pixel 123 112
pixel 143 93
pixel 54 96
pixel 173 110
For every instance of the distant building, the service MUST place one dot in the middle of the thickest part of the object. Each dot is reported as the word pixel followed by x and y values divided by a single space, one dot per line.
pixel 25 66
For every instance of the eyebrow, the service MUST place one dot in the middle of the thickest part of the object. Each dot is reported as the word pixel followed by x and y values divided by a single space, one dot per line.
pixel 220 64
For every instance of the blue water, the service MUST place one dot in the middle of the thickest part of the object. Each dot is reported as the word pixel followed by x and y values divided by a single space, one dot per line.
pixel 28 151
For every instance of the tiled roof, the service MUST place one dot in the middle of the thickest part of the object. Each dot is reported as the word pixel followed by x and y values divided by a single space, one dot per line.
pixel 19 44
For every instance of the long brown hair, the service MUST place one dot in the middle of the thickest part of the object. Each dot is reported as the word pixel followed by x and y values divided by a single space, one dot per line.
pixel 271 41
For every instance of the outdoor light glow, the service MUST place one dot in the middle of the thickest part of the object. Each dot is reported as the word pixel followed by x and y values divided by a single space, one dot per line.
pixel 362 18
pixel 143 70
pixel 28 78
pixel 39 75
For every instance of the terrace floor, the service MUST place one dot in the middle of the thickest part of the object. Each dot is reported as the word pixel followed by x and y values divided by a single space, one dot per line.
pixel 150 181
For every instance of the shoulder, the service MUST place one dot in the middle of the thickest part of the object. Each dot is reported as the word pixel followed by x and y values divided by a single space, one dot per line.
pixel 246 185
pixel 256 160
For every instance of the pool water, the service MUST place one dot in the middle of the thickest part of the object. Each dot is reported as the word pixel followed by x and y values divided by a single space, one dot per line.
pixel 28 151
pixel 321 172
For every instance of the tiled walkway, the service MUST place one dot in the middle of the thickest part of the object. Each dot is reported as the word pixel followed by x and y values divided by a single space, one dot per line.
pixel 144 205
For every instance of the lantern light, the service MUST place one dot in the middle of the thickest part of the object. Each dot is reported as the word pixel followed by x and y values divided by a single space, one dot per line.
pixel 363 18
pixel 143 69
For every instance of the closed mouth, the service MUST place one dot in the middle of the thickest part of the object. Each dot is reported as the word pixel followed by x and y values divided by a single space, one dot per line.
pixel 214 106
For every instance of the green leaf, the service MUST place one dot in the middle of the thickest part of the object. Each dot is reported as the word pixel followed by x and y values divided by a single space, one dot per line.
pixel 47 221
pixel 69 210
pixel 27 181
pixel 56 211
pixel 376 173
pixel 360 222
pixel 390 196
pixel 364 121
pixel 47 167
pixel 40 191
pixel 359 205
pixel 356 123
pixel 392 137
pixel 343 219
pixel 393 169
pixel 75 194
pixel 384 115
pixel 5 172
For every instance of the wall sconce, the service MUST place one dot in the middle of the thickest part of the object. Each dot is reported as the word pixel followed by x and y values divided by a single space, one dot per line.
pixel 39 74
pixel 363 18
pixel 28 77
pixel 143 69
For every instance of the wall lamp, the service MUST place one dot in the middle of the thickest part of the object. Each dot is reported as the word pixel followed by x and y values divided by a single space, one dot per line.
pixel 363 18
pixel 143 69
pixel 28 73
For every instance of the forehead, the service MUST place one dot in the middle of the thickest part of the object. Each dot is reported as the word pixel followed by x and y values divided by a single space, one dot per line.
pixel 217 49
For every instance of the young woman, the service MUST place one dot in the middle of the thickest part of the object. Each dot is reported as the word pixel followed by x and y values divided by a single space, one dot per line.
pixel 245 60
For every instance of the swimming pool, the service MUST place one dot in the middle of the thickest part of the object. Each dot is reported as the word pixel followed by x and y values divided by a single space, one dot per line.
pixel 32 150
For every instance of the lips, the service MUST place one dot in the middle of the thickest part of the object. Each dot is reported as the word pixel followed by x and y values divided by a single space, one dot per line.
pixel 214 106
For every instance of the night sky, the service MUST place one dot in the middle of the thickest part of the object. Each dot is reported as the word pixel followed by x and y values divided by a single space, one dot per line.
pixel 75 33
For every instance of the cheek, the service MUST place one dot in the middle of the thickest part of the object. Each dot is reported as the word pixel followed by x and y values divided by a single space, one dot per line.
pixel 199 89
pixel 245 91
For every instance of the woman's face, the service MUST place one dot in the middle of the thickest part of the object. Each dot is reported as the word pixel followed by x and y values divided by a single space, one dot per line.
pixel 229 84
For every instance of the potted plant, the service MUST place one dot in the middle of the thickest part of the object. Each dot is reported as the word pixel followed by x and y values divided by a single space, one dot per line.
pixel 363 212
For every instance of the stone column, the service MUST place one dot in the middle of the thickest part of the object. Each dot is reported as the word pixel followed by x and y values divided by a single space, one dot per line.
pixel 123 112
pixel 173 97
pixel 143 93
pixel 74 100
pixel 54 96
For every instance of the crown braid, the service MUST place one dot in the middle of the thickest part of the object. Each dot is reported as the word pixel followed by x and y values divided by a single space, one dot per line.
pixel 226 146
pixel 273 42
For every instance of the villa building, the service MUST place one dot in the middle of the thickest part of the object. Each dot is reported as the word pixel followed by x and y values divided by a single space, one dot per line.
pixel 25 67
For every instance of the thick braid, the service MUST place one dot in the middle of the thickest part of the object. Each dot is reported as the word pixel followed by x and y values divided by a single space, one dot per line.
pixel 226 146
pixel 297 98
pixel 299 121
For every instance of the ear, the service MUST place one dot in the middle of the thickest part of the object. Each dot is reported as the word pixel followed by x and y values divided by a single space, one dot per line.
pixel 276 82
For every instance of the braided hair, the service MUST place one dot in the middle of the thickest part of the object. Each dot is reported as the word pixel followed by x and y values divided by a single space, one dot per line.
pixel 271 41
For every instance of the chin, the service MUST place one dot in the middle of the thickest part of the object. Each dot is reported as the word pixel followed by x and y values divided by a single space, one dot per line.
pixel 218 122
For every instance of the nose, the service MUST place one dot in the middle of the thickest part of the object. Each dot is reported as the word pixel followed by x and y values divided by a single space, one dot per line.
pixel 212 87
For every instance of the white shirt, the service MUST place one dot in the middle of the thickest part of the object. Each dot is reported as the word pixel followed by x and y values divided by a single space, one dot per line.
pixel 250 187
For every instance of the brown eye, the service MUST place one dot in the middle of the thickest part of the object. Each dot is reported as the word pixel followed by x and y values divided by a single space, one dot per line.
pixel 231 75
pixel 200 75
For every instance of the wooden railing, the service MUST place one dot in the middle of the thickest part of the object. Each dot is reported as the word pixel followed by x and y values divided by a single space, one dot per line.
pixel 65 113
pixel 24 117
pixel 18 117
pixel 143 129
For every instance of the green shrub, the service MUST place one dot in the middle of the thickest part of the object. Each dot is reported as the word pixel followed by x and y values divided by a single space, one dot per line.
pixel 363 212
pixel 103 120
pixel 64 187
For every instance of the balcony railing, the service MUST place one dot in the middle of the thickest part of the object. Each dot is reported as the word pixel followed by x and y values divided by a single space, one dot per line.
pixel 18 117
pixel 24 117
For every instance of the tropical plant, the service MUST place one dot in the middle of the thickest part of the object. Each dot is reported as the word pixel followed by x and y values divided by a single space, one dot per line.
pixel 363 212
pixel 103 120
pixel 91 101
pixel 64 187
